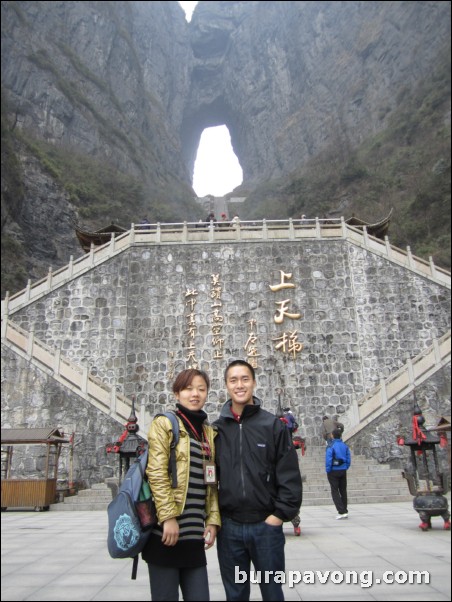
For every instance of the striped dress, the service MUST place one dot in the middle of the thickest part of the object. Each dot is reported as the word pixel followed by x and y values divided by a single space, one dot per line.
pixel 189 551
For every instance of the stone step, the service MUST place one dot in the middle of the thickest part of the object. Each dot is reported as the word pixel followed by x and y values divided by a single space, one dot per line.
pixel 94 494
pixel 96 498
pixel 90 506
pixel 368 481
pixel 363 484
pixel 361 472
pixel 327 501
pixel 358 492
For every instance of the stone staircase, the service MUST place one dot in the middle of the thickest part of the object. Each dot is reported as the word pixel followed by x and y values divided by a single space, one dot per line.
pixel 96 498
pixel 367 481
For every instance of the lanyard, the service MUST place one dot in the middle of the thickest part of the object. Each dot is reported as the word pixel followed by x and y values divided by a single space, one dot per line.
pixel 205 447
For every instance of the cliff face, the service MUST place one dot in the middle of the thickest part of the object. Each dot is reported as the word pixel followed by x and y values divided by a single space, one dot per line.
pixel 100 77
pixel 292 78
pixel 107 100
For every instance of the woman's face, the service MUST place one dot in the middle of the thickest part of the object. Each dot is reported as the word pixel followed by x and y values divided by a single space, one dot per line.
pixel 195 395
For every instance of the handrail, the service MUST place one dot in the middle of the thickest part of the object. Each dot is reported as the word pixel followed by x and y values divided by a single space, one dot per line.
pixel 391 390
pixel 247 231
pixel 78 379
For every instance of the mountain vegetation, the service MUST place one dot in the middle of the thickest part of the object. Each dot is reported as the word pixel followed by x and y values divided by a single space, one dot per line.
pixel 334 109
pixel 406 167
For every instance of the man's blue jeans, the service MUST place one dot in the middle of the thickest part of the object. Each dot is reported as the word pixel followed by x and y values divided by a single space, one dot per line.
pixel 239 545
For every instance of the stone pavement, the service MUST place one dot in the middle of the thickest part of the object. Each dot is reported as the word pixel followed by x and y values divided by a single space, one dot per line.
pixel 63 556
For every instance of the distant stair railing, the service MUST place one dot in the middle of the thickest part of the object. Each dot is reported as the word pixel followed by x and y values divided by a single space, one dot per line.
pixel 76 378
pixel 193 233
pixel 402 382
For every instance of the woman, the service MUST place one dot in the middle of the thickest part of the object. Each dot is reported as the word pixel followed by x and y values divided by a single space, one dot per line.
pixel 188 515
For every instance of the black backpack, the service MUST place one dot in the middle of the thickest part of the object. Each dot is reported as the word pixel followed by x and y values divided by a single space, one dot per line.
pixel 129 527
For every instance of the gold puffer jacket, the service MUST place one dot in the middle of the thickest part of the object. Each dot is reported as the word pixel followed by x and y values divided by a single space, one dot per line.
pixel 170 502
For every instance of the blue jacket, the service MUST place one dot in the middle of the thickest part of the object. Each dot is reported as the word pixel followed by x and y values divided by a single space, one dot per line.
pixel 337 456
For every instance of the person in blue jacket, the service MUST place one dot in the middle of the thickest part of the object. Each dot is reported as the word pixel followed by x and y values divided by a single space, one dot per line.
pixel 337 462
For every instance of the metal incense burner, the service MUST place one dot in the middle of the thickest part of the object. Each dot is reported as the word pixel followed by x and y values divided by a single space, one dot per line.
pixel 426 482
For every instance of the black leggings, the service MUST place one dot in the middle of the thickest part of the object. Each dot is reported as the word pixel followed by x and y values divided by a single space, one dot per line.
pixel 165 582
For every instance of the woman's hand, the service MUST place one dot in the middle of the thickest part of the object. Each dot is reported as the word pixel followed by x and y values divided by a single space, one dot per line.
pixel 210 534
pixel 170 532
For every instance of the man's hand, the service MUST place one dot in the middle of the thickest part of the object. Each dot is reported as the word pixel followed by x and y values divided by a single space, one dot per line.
pixel 273 520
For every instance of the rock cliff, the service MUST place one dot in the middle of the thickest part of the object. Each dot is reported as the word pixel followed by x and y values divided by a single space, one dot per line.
pixel 104 103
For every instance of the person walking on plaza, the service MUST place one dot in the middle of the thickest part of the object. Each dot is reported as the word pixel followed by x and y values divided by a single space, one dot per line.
pixel 188 515
pixel 337 462
pixel 259 487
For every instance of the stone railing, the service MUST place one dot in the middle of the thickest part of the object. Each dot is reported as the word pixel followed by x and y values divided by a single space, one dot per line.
pixel 76 378
pixel 201 233
pixel 398 385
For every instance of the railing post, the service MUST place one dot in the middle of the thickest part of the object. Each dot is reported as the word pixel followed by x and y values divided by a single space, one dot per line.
pixel 410 258
pixel 57 359
pixel 113 399
pixel 91 254
pixel 291 229
pixel 355 412
pixel 158 234
pixel 112 242
pixel 5 314
pixel 132 234
pixel 211 232
pixel 30 341
pixel 264 229
pixel 383 392
pixel 185 232
pixel 49 278
pixel 28 291
pixel 410 369
pixel 432 266
pixel 84 383
pixel 318 234
pixel 366 237
pixel 436 351
pixel 388 246
pixel 70 267
pixel 343 227
pixel 142 411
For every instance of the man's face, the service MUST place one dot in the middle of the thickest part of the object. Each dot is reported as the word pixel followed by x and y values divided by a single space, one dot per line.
pixel 240 385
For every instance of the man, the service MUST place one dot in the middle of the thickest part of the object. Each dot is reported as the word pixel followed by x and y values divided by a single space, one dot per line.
pixel 298 442
pixel 289 419
pixel 337 462
pixel 259 488
pixel 327 429
pixel 338 425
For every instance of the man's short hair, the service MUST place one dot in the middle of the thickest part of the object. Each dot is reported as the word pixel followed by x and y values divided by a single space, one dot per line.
pixel 337 433
pixel 239 363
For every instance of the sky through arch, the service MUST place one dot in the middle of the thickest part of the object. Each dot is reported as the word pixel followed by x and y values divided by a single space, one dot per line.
pixel 217 169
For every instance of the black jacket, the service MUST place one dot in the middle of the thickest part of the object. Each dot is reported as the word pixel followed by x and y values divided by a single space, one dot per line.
pixel 257 466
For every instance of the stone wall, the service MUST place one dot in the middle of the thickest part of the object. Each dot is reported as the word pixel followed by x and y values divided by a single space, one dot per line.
pixel 378 439
pixel 355 317
pixel 33 399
